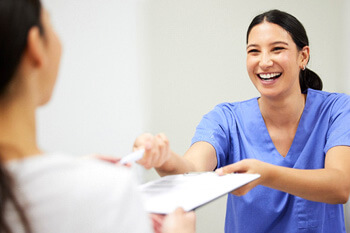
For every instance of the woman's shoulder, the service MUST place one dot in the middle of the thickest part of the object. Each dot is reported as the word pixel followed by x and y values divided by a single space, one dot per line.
pixel 234 106
pixel 326 99
pixel 327 95
pixel 58 173
pixel 59 187
pixel 57 164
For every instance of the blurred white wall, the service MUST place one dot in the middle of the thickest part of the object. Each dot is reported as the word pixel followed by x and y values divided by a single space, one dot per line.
pixel 97 106
pixel 131 66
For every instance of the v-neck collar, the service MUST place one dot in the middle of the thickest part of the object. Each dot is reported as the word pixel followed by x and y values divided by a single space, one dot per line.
pixel 299 140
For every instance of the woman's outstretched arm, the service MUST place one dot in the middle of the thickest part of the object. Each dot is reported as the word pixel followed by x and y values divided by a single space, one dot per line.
pixel 201 156
pixel 330 184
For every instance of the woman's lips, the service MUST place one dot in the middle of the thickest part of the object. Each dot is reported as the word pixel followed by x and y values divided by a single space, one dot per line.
pixel 269 76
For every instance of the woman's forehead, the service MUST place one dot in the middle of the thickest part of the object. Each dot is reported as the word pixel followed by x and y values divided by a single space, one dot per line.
pixel 267 31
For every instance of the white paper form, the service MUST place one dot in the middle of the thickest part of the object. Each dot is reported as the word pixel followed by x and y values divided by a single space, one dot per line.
pixel 189 191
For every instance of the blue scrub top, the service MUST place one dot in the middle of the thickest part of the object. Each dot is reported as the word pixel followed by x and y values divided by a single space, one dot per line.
pixel 237 131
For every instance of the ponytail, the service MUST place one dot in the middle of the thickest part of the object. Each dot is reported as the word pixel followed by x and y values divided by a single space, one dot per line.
pixel 309 79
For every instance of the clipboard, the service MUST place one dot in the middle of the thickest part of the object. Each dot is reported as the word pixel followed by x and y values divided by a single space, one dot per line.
pixel 189 191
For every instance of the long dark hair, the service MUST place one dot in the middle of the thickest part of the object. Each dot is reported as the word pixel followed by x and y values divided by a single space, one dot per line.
pixel 17 17
pixel 307 78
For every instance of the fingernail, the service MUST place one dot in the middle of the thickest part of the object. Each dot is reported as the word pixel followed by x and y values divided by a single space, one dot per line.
pixel 218 171
pixel 148 146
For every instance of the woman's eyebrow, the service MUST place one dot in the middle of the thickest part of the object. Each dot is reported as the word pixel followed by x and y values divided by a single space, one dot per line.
pixel 279 42
pixel 273 43
pixel 252 45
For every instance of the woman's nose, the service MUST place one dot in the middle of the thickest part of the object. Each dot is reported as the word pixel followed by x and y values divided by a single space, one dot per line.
pixel 265 61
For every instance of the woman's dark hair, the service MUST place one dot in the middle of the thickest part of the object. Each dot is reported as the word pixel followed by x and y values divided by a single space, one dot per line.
pixel 17 17
pixel 307 78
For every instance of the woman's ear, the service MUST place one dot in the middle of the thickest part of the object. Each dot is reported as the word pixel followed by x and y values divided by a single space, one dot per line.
pixel 305 56
pixel 35 50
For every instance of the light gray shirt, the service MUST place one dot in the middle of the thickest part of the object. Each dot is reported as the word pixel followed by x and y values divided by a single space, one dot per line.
pixel 63 194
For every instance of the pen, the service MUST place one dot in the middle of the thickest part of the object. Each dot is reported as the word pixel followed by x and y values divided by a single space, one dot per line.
pixel 132 157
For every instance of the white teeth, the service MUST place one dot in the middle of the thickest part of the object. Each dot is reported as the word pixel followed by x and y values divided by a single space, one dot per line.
pixel 268 76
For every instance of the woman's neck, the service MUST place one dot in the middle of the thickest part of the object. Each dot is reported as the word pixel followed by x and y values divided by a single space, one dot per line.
pixel 18 131
pixel 282 112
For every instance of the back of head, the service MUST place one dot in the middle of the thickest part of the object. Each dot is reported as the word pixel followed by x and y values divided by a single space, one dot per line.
pixel 307 78
pixel 17 17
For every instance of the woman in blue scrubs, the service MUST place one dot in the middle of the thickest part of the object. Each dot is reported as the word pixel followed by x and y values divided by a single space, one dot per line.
pixel 296 136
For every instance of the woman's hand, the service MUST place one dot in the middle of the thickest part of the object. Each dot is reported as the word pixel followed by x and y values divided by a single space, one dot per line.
pixel 179 221
pixel 252 166
pixel 157 150
pixel 157 222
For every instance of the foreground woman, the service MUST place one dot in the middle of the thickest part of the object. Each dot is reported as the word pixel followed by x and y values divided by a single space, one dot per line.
pixel 51 192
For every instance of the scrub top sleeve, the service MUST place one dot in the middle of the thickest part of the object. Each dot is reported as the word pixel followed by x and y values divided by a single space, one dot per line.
pixel 339 125
pixel 214 129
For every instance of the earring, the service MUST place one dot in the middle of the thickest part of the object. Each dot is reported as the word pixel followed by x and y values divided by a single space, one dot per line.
pixel 303 68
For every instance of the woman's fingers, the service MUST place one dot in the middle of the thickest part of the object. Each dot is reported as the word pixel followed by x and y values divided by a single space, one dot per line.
pixel 157 222
pixel 164 149
pixel 157 149
pixel 244 166
pixel 180 221
pixel 141 141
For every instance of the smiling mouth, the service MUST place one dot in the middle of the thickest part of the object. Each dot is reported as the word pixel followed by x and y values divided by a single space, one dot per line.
pixel 269 76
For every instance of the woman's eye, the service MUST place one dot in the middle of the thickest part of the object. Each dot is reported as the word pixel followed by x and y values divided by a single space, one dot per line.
pixel 253 51
pixel 277 49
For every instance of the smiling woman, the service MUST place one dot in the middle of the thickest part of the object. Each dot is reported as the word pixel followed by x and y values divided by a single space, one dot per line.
pixel 281 38
pixel 273 60
pixel 294 135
